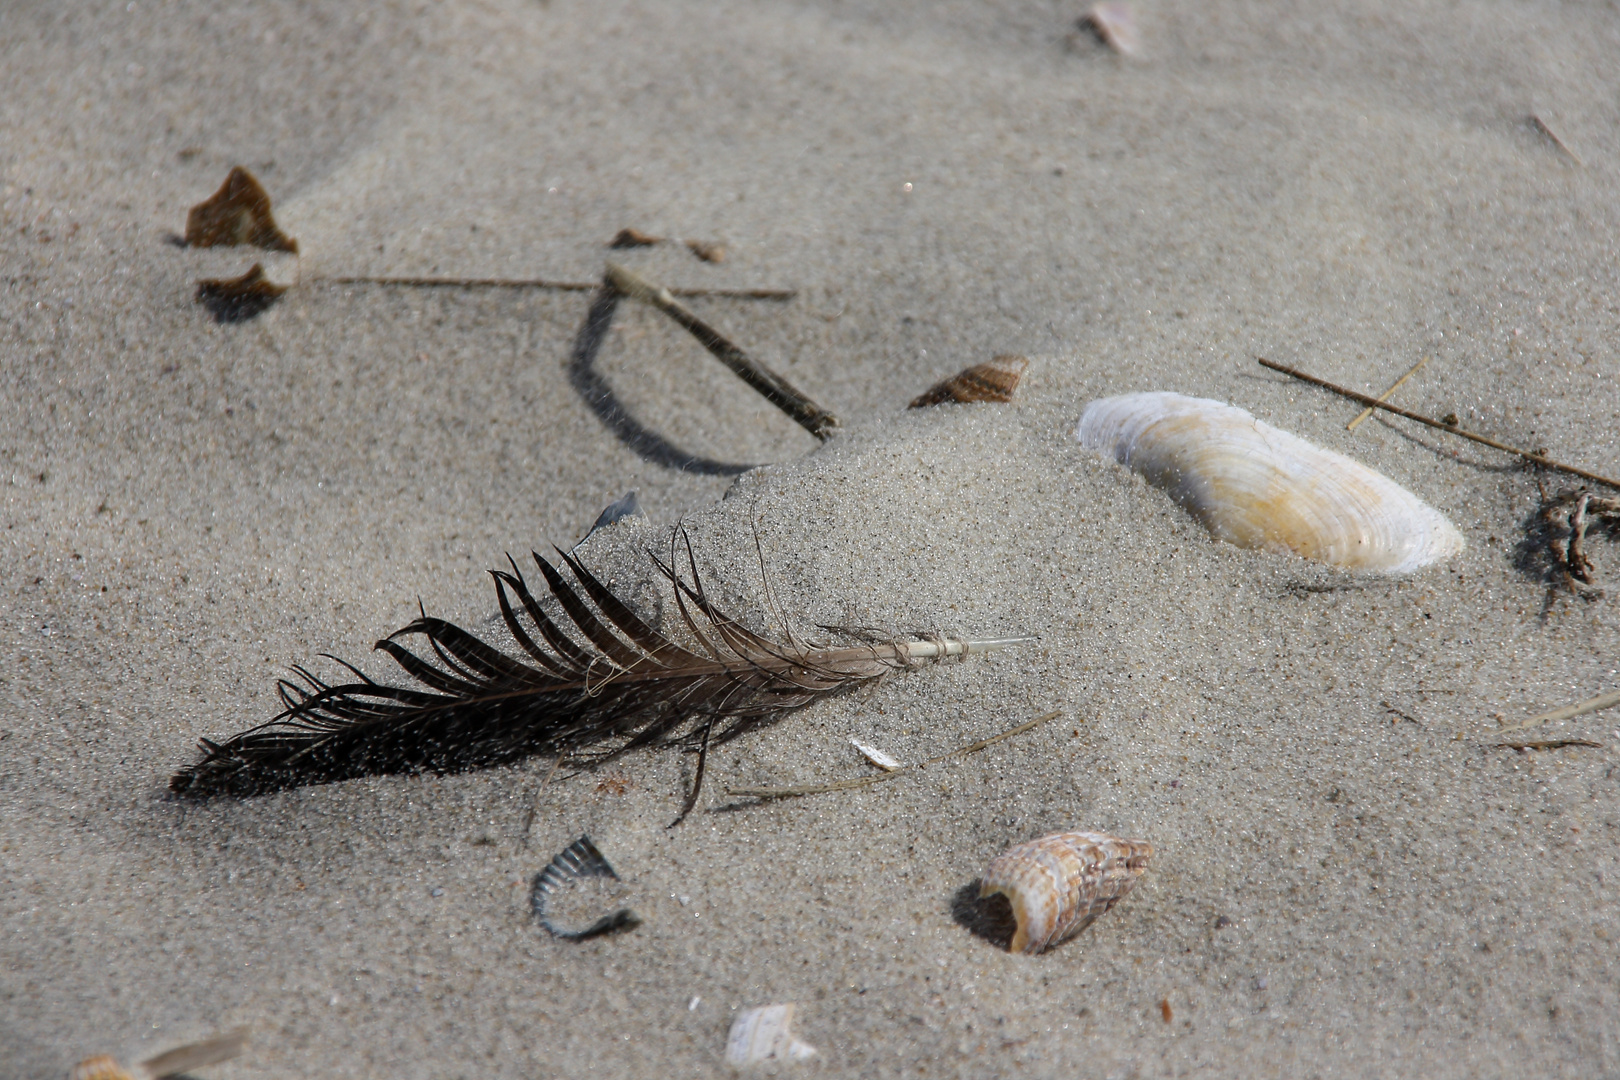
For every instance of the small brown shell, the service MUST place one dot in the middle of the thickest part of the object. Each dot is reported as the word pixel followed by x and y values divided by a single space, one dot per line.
pixel 1059 884
pixel 994 381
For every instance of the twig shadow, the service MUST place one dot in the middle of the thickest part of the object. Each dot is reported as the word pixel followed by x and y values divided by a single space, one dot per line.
pixel 990 919
pixel 599 396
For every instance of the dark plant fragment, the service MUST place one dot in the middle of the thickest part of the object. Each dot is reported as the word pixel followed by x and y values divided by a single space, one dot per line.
pixel 1568 518
pixel 238 213
pixel 633 238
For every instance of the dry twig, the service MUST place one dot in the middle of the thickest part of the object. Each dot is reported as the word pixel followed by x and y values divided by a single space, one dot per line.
pixel 1396 385
pixel 1545 744
pixel 542 283
pixel 1580 708
pixel 1367 399
pixel 775 389
pixel 1546 129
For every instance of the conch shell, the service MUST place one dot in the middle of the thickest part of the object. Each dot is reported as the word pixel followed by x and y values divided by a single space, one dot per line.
pixel 1256 486
pixel 1061 883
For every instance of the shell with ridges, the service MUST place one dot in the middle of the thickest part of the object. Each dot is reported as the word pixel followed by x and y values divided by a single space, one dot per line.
pixel 1060 884
pixel 763 1035
pixel 1256 486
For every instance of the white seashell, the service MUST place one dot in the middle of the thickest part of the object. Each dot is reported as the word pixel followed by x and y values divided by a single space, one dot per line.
pixel 763 1035
pixel 1256 486
pixel 1060 884
pixel 875 756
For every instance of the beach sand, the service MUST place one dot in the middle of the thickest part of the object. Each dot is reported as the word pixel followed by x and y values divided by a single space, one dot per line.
pixel 1349 878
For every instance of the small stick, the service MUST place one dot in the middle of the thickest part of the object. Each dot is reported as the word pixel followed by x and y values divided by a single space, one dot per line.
pixel 866 781
pixel 1546 129
pixel 777 390
pixel 1545 744
pixel 541 283
pixel 1352 425
pixel 1365 399
pixel 1581 708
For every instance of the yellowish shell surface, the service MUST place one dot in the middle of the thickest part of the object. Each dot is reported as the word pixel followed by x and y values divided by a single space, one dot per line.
pixel 1257 486
pixel 1058 885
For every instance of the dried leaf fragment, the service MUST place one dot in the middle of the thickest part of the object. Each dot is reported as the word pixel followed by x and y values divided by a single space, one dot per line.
pixel 1114 23
pixel 993 381
pixel 240 298
pixel 707 251
pixel 238 213
pixel 633 238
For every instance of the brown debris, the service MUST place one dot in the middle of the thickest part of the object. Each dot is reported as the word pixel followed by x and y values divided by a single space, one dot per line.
pixel 240 298
pixel 238 213
pixel 633 238
pixel 1114 24
pixel 1568 518
pixel 708 252
pixel 994 381
pixel 1545 744
pixel 1165 1011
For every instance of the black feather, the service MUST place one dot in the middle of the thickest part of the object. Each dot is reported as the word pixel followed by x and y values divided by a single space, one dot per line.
pixel 624 686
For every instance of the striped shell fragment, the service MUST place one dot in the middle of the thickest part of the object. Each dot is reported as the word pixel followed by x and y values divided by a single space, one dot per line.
pixel 1059 885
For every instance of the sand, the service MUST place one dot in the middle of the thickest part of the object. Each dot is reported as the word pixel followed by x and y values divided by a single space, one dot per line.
pixel 1350 879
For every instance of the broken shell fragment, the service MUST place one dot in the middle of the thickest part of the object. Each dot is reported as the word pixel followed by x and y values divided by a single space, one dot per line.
pixel 875 756
pixel 1114 23
pixel 707 250
pixel 1256 486
pixel 570 871
pixel 1058 885
pixel 993 381
pixel 182 1059
pixel 763 1035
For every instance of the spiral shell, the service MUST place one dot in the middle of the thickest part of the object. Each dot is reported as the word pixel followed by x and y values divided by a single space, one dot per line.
pixel 1256 486
pixel 1061 883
